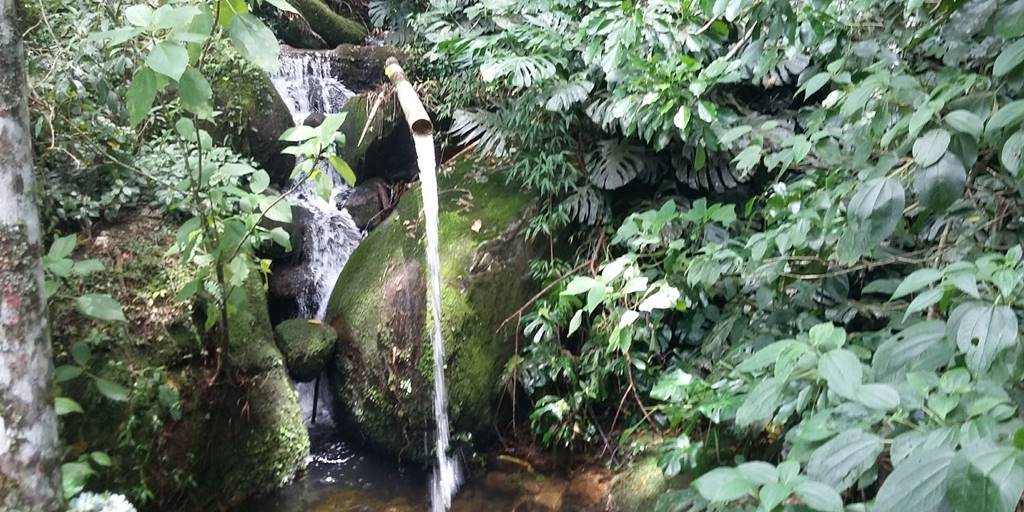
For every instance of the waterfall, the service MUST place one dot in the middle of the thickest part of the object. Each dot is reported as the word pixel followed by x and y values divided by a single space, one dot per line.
pixel 305 83
pixel 447 475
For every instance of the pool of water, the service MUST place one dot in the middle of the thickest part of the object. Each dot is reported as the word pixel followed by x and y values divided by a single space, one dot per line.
pixel 342 477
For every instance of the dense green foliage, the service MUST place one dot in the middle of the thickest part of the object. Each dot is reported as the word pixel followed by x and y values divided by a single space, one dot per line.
pixel 807 244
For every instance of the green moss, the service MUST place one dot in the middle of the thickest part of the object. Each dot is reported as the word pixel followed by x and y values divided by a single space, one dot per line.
pixel 258 439
pixel 638 488
pixel 484 264
pixel 251 345
pixel 332 27
pixel 306 346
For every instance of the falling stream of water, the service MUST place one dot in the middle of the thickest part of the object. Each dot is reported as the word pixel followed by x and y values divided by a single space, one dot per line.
pixel 447 475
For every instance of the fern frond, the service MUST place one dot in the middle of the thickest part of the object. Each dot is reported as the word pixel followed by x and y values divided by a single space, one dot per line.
pixel 587 206
pixel 566 94
pixel 483 127
pixel 614 163
pixel 521 72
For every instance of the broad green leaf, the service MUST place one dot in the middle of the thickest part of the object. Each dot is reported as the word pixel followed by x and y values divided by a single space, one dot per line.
pixel 100 307
pixel 920 347
pixel 917 484
pixel 87 267
pixel 814 83
pixel 141 94
pixel 759 472
pixel 923 301
pixel 101 458
pixel 819 496
pixel 140 15
pixel 983 331
pixel 874 212
pixel 1008 115
pixel 843 372
pixel 81 352
pixel 254 41
pixel 1010 58
pixel 1012 155
pixel 343 169
pixel 169 59
pixel 842 460
pixel 1010 22
pixel 64 405
pixel 760 404
pixel 62 247
pixel 928 148
pixel 66 372
pixel 914 443
pixel 985 477
pixel 765 357
pixel 881 397
pixel 279 210
pixel 772 495
pixel 259 181
pixel 574 324
pixel 74 476
pixel 965 121
pixel 826 336
pixel 299 133
pixel 672 386
pixel 580 284
pixel 111 389
pixel 168 16
pixel 723 484
pixel 917 280
pixel 940 184
pixel 195 92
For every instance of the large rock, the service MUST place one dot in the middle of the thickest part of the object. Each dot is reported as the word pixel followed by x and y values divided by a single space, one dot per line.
pixel 382 369
pixel 306 346
pixel 329 25
pixel 257 438
pixel 253 114
pixel 378 143
pixel 367 202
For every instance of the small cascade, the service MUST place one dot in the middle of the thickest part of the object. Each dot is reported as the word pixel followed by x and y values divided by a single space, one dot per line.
pixel 305 83
pixel 447 475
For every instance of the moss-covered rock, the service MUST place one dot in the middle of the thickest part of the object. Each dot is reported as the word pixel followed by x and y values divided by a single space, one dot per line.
pixel 382 370
pixel 182 405
pixel 638 487
pixel 378 143
pixel 253 114
pixel 306 346
pixel 329 25
pixel 258 441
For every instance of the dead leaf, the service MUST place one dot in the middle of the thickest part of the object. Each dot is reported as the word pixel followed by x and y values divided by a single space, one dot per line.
pixel 476 226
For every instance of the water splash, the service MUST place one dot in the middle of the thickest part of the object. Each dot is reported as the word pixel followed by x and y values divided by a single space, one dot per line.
pixel 447 475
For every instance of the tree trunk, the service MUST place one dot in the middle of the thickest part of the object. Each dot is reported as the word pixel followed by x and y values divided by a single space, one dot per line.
pixel 29 455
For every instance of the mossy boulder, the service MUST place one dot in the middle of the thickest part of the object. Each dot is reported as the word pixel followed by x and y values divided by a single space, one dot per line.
pixel 329 25
pixel 258 441
pixel 639 486
pixel 253 114
pixel 215 430
pixel 381 374
pixel 306 346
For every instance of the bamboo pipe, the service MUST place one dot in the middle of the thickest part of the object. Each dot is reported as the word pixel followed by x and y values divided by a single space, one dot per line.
pixel 412 107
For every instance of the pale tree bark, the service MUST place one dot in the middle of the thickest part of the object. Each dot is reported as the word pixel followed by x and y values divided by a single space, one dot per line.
pixel 29 456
